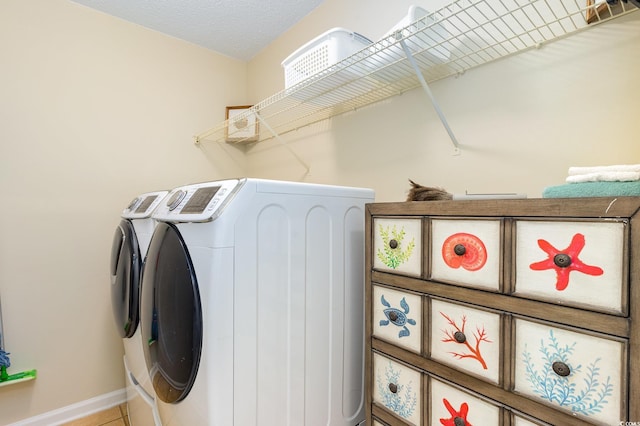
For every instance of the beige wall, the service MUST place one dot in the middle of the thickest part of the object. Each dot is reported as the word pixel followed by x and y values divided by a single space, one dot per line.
pixel 93 111
pixel 522 121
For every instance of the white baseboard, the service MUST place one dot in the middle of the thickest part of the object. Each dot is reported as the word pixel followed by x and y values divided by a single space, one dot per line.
pixel 76 411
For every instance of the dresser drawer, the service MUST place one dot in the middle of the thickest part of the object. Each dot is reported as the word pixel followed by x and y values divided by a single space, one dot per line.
pixel 466 252
pixel 582 374
pixel 519 420
pixel 397 245
pixel 573 263
pixel 398 388
pixel 397 317
pixel 465 338
pixel 449 402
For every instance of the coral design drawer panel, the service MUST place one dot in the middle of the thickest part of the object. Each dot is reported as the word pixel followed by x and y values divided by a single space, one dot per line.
pixel 398 388
pixel 397 317
pixel 466 339
pixel 451 406
pixel 466 252
pixel 574 263
pixel 582 374
pixel 397 245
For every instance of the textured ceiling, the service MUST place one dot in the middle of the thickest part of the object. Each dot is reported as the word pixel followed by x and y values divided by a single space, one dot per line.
pixel 235 28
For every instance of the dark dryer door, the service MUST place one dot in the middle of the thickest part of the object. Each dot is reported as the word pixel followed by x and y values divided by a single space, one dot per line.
pixel 171 315
pixel 125 278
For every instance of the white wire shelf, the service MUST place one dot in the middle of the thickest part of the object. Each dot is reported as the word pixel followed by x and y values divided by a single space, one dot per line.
pixel 449 41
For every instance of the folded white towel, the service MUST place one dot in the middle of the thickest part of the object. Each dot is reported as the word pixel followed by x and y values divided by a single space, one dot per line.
pixel 573 171
pixel 604 177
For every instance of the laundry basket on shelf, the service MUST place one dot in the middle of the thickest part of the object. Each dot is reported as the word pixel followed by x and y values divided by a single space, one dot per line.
pixel 321 53
pixel 426 38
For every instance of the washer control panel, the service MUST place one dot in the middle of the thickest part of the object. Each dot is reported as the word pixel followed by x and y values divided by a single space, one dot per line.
pixel 143 205
pixel 200 202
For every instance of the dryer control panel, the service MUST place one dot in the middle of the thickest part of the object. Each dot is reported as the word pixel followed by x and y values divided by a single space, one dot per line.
pixel 143 205
pixel 200 202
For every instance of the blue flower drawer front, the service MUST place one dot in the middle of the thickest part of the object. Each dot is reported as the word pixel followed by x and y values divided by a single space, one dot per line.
pixel 398 388
pixel 397 245
pixel 579 372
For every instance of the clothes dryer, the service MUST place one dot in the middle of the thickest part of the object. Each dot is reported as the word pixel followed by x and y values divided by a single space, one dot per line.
pixel 252 304
pixel 130 244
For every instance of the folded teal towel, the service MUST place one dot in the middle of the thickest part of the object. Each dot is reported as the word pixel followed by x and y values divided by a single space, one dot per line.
pixel 593 189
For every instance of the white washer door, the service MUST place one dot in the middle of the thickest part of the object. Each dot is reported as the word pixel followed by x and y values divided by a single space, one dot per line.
pixel 125 278
pixel 170 315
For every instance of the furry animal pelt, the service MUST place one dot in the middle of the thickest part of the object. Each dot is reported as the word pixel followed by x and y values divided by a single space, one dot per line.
pixel 427 193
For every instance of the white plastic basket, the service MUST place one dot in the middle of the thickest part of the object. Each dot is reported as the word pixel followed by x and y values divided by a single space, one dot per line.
pixel 431 38
pixel 320 53
pixel 425 37
pixel 414 13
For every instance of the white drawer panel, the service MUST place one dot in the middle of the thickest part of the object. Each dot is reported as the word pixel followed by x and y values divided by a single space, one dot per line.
pixel 397 317
pixel 465 338
pixel 573 263
pixel 466 252
pixel 578 373
pixel 522 421
pixel 449 402
pixel 397 245
pixel 398 388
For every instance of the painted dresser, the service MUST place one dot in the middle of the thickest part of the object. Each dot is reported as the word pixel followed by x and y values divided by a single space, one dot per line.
pixel 503 312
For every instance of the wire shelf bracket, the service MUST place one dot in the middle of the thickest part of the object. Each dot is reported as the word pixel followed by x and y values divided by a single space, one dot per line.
pixel 264 123
pixel 425 87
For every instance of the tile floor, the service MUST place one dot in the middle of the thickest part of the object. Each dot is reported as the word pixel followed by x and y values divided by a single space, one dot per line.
pixel 114 416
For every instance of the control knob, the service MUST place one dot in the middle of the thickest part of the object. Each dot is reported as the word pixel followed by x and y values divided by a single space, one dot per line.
pixel 175 199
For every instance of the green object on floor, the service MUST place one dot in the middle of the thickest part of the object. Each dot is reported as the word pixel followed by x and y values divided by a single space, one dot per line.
pixel 5 377
pixel 29 374
pixel 5 363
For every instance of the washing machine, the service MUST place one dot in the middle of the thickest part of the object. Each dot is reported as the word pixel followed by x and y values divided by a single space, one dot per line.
pixel 252 304
pixel 130 244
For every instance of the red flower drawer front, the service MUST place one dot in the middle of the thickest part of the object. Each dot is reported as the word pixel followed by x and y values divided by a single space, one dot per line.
pixel 466 252
pixel 572 263
pixel 450 406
